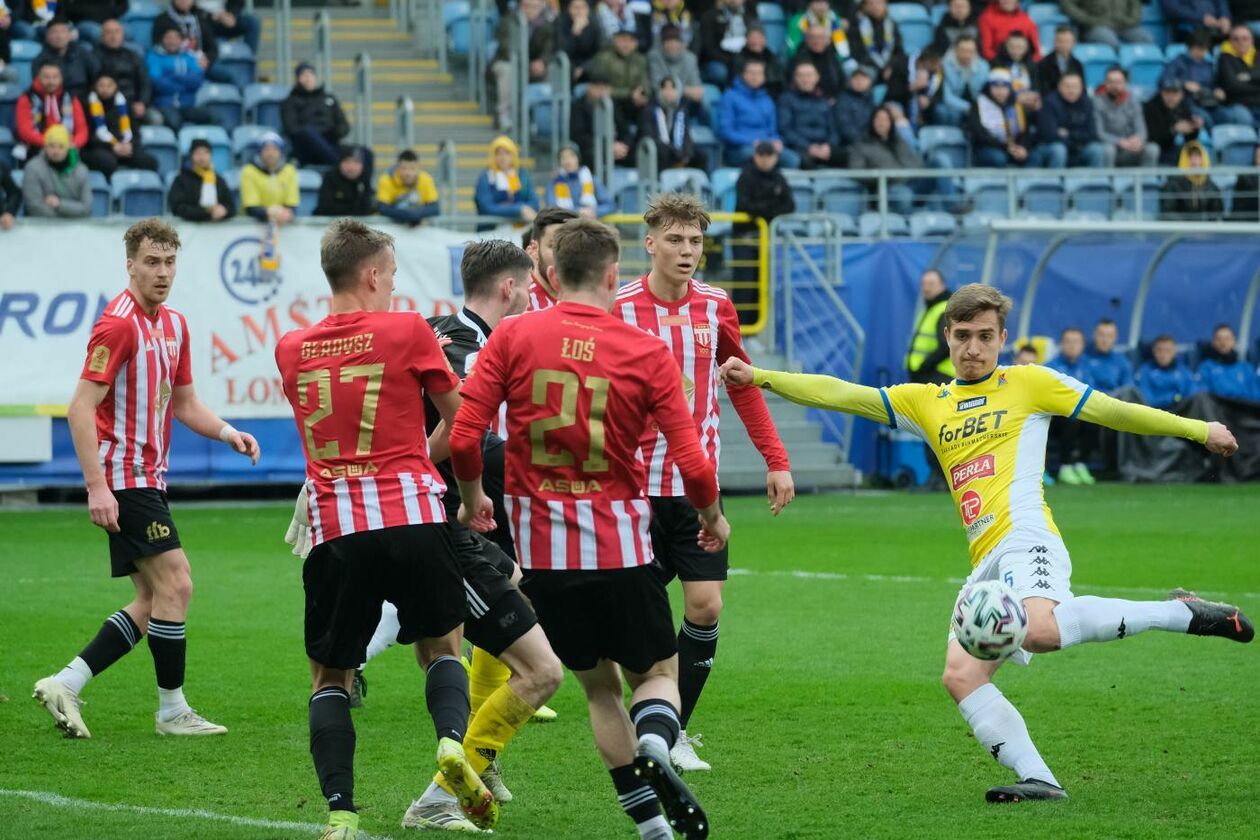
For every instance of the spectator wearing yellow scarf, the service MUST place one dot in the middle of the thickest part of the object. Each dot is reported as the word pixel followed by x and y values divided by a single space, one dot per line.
pixel 504 190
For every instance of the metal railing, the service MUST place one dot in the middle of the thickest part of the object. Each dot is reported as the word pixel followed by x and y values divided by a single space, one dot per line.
pixel 605 136
pixel 423 20
pixel 560 75
pixel 648 170
pixel 284 45
pixel 478 51
pixel 363 99
pixel 323 46
pixel 405 123
pixel 447 176
pixel 520 84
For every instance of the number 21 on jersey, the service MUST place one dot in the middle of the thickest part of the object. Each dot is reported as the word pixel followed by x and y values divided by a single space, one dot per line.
pixel 569 383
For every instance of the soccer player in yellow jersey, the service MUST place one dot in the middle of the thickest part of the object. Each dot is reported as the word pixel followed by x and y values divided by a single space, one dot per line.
pixel 988 430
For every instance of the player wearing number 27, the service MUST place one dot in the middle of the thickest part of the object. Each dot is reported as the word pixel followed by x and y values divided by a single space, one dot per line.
pixel 988 430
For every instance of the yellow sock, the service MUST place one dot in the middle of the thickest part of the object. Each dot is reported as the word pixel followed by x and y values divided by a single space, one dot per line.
pixel 487 675
pixel 497 721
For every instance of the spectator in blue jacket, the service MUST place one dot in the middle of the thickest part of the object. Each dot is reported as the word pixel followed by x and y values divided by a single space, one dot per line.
pixel 1196 72
pixel 1185 16
pixel 1109 370
pixel 504 189
pixel 176 75
pixel 1066 130
pixel 1164 381
pixel 855 105
pixel 574 187
pixel 746 115
pixel 1223 373
pixel 966 74
pixel 806 120
pixel 1076 441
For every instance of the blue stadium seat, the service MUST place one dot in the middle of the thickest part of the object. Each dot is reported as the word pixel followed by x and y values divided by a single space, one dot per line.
pixel 23 54
pixel 1045 32
pixel 1145 63
pixel 712 97
pixel 309 181
pixel 538 100
pixel 723 183
pixel 1127 199
pixel 1090 195
pixel 220 145
pixel 243 139
pixel 1173 50
pixel 138 21
pixel 1083 216
pixel 224 102
pixel 262 104
pixel 139 192
pixel 915 25
pixel 931 223
pixel 979 220
pixel 623 176
pixel 9 94
pixel 7 141
pixel 168 179
pixel 1226 184
pixel 161 142
pixel 841 196
pixel 705 140
pixel 1042 13
pixel 775 23
pixel 238 60
pixel 693 181
pixel 456 18
pixel 1234 144
pixel 937 13
pixel 802 186
pixel 102 198
pixel 989 196
pixel 1043 196
pixel 1096 58
pixel 947 139
pixel 628 199
pixel 869 225
pixel 1154 22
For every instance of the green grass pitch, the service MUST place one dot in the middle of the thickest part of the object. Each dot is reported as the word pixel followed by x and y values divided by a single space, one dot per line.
pixel 824 716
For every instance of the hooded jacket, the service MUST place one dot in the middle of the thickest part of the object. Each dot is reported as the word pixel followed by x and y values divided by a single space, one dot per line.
pixel 1226 375
pixel 1191 197
pixel 184 197
pixel 262 187
pixel 1118 118
pixel 1070 123
pixel 38 109
pixel 176 77
pixel 1238 76
pixel 805 119
pixel 746 116
pixel 69 182
pixel 996 26
pixel 503 194
pixel 670 129
pixel 317 109
pixel 873 153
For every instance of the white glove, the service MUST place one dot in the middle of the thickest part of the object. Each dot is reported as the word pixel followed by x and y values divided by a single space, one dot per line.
pixel 299 533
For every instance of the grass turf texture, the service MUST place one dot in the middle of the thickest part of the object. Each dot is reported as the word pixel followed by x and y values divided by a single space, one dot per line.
pixel 824 716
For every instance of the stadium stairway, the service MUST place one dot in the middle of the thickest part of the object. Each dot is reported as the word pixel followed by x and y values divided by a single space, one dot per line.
pixel 816 463
pixel 443 110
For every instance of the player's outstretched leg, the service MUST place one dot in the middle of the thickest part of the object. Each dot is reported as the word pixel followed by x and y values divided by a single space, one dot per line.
pixel 697 646
pixel 1212 618
pixel 1092 619
pixel 998 726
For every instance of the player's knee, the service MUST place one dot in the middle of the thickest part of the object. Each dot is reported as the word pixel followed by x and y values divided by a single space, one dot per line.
pixel 546 676
pixel 704 609
pixel 960 681
pixel 180 589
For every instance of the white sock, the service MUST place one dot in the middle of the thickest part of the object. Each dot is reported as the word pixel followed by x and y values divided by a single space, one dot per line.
pixel 386 631
pixel 998 725
pixel 75 675
pixel 1093 619
pixel 435 794
pixel 656 745
pixel 655 829
pixel 171 703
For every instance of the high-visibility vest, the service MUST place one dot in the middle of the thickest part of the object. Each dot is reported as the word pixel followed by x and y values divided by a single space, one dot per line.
pixel 927 337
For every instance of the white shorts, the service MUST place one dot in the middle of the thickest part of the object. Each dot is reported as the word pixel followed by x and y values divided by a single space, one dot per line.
pixel 1034 563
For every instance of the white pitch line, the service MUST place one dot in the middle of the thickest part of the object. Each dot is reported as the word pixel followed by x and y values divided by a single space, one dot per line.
pixel 804 575
pixel 70 803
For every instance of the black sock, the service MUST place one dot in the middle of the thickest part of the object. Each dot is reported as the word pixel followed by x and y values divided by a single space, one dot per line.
pixel 117 636
pixel 446 694
pixel 637 799
pixel 655 716
pixel 696 647
pixel 168 646
pixel 332 746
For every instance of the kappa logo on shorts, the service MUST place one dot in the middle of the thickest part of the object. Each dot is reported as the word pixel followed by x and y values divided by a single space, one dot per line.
pixel 1041 561
pixel 1038 549
pixel 1041 584
pixel 974 402
pixel 1041 571
pixel 157 531
pixel 982 467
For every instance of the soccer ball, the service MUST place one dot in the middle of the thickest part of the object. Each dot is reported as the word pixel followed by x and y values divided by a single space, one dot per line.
pixel 989 620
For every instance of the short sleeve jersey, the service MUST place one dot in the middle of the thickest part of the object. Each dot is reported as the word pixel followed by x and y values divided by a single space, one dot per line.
pixel 990 438
pixel 142 358
pixel 356 384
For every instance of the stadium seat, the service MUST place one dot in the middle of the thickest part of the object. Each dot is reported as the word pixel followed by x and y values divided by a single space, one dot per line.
pixel 7 141
pixel 22 55
pixel 168 179
pixel 1090 195
pixel 139 193
pixel 309 181
pixel 705 140
pixel 1096 58
pixel 232 177
pixel 931 223
pixel 841 196
pixel 622 176
pixel 102 198
pixel 775 23
pixel 243 140
pixel 693 181
pixel 947 139
pixel 262 104
pixel 1234 144
pixel 224 102
pixel 137 21
pixel 1083 216
pixel 238 60
pixel 538 100
pixel 1046 13
pixel 1127 199
pixel 937 13
pixel 869 225
pixel 915 25
pixel 1154 22
pixel 8 105
pixel 628 199
pixel 220 144
pixel 161 142
pixel 989 196
pixel 1226 184
pixel 980 220
pixel 802 186
pixel 712 97
pixel 1173 50
pixel 1145 63
pixel 723 183
pixel 1042 196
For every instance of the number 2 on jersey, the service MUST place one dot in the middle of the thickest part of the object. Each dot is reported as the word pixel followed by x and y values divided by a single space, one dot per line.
pixel 322 379
pixel 569 383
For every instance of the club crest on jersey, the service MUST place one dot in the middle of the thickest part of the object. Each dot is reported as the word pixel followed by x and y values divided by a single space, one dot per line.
pixel 704 339
pixel 963 474
pixel 100 359
pixel 172 347
pixel 974 402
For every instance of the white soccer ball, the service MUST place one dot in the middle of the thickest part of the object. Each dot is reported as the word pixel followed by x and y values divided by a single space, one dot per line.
pixel 989 620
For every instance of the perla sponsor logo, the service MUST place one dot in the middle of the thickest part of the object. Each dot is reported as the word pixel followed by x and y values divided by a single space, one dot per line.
pixel 982 467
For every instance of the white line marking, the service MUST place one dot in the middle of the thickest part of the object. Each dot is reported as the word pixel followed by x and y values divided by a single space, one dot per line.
pixel 59 801
pixel 803 575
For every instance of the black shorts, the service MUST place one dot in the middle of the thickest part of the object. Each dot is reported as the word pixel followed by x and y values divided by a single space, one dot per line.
pixel 617 614
pixel 347 580
pixel 675 526
pixel 497 614
pixel 145 529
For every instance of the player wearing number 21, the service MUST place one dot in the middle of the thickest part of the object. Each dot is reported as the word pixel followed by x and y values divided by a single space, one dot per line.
pixel 581 386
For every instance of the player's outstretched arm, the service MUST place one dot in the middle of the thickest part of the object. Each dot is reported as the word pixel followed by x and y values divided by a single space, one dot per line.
pixel 811 390
pixel 1144 420
pixel 81 415
pixel 196 415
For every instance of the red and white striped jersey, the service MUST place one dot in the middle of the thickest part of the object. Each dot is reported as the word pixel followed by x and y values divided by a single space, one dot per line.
pixel 580 386
pixel 356 382
pixel 539 297
pixel 142 358
pixel 702 331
